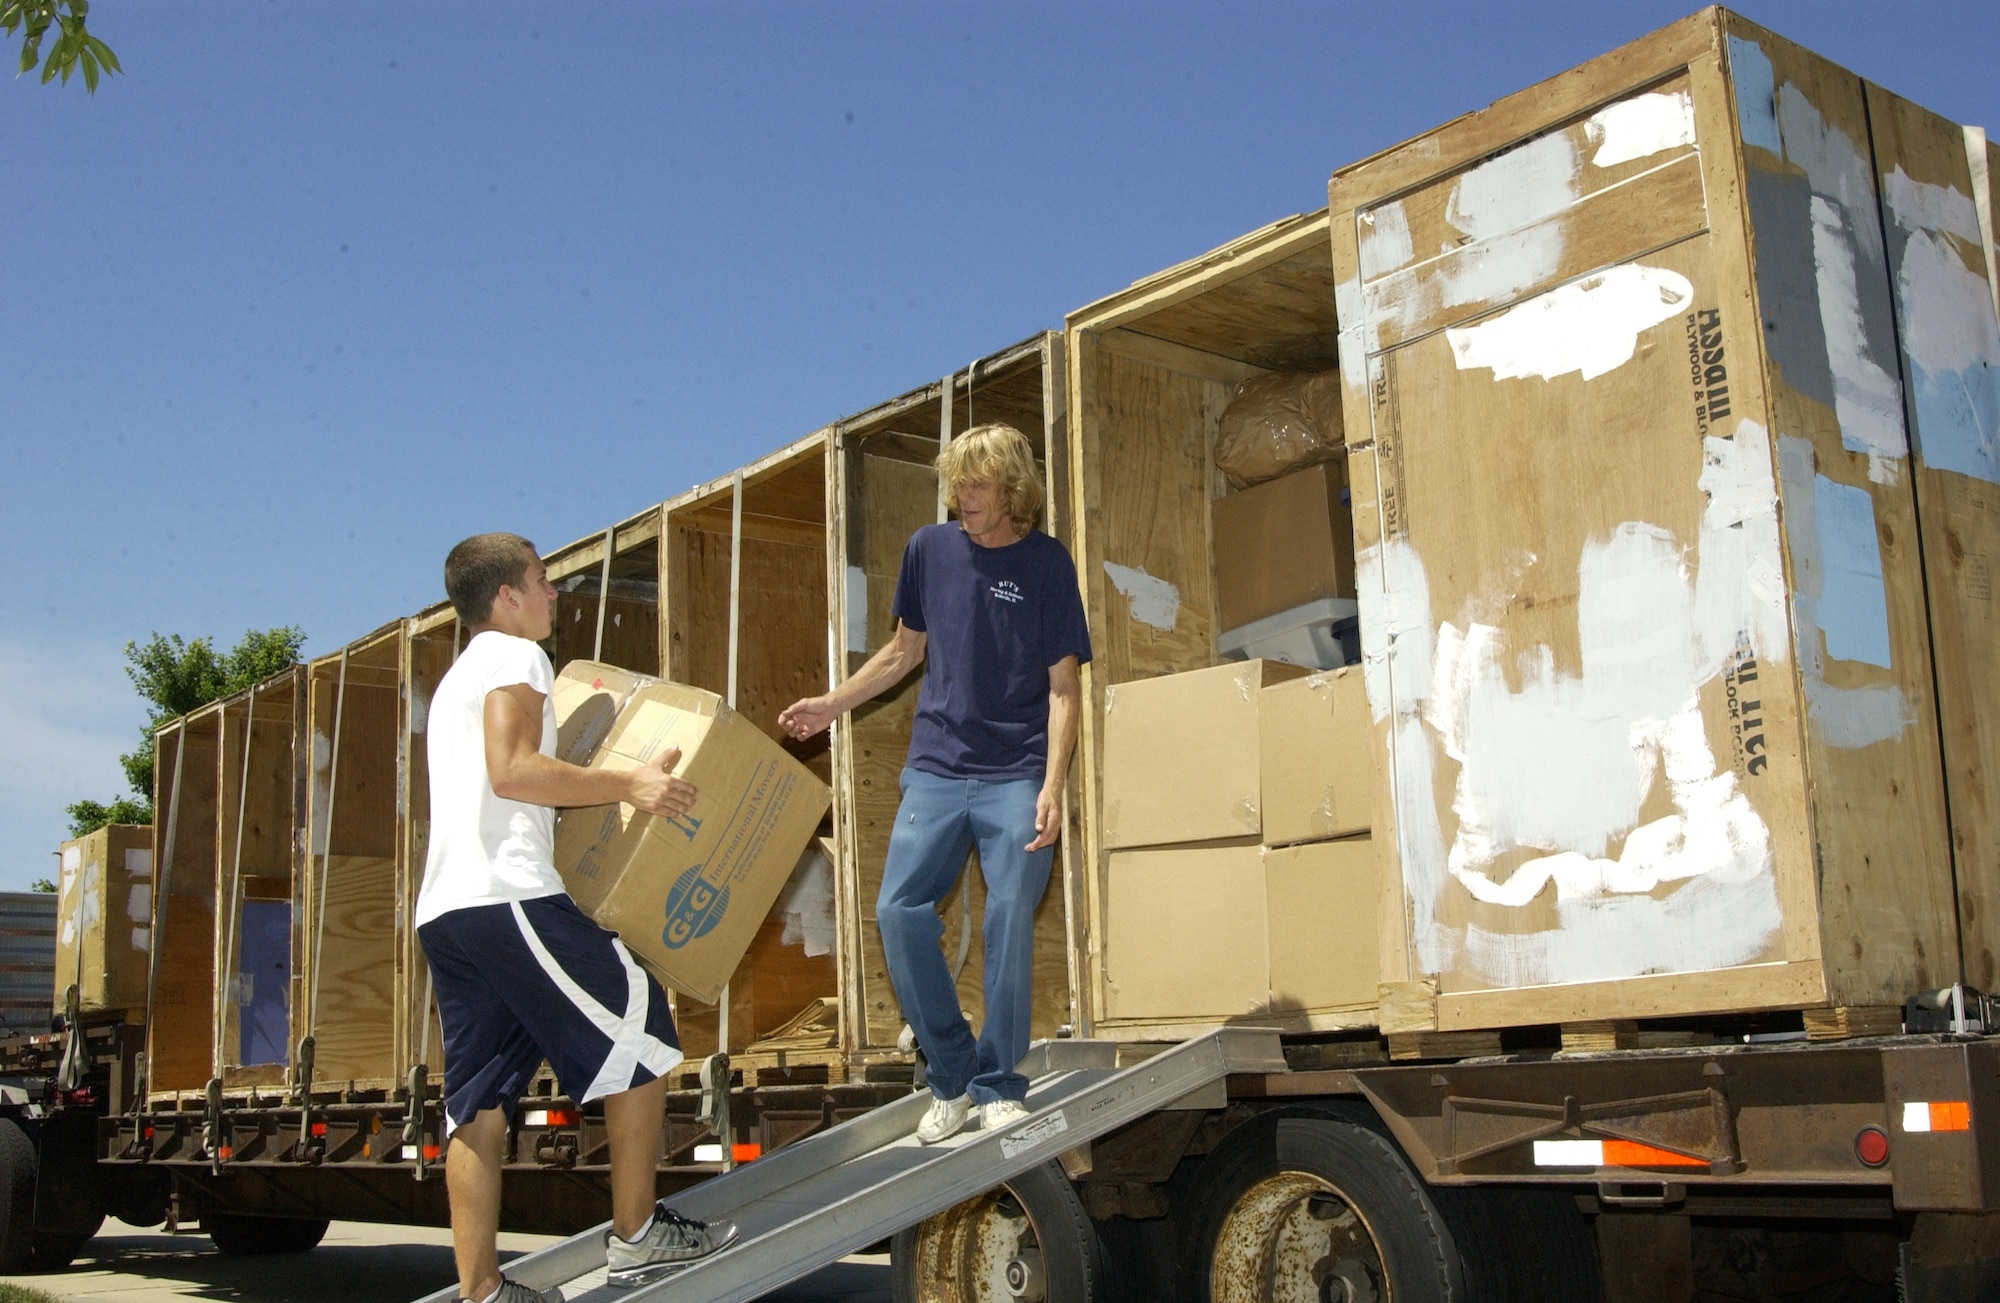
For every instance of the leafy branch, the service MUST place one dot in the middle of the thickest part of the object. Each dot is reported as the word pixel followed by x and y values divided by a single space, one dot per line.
pixel 73 49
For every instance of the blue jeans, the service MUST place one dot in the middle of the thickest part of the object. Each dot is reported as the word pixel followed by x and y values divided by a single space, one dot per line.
pixel 938 821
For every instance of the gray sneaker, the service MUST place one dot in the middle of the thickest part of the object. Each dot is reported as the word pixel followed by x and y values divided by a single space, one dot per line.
pixel 513 1291
pixel 668 1243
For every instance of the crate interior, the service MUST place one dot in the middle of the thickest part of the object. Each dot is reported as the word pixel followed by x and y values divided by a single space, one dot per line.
pixel 782 653
pixel 179 1037
pixel 1153 382
pixel 630 601
pixel 349 937
pixel 256 880
pixel 891 490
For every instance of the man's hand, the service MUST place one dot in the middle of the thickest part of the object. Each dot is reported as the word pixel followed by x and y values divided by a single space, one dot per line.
pixel 1048 818
pixel 654 789
pixel 802 719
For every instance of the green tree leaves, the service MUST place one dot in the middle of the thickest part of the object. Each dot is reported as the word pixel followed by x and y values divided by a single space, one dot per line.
pixel 74 48
pixel 176 676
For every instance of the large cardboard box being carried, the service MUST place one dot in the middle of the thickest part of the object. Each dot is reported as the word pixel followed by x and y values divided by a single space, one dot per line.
pixel 104 914
pixel 687 895
pixel 1181 755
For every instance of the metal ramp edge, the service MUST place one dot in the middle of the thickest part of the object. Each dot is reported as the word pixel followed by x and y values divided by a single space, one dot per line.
pixel 1076 1094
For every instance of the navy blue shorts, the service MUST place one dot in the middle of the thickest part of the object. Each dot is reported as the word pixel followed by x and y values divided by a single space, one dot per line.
pixel 530 980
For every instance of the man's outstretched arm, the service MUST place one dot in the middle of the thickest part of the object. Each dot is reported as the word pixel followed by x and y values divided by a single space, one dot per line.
pixel 884 670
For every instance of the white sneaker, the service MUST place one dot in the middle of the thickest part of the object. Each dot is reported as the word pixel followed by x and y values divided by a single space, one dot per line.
pixel 1001 1114
pixel 946 1118
pixel 669 1242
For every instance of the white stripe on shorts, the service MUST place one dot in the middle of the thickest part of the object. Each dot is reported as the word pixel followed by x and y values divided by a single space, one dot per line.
pixel 631 1044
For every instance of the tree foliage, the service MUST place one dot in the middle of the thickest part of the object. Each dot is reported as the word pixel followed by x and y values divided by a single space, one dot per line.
pixel 176 676
pixel 74 49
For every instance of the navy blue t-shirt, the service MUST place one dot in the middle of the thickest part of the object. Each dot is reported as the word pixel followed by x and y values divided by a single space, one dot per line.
pixel 995 618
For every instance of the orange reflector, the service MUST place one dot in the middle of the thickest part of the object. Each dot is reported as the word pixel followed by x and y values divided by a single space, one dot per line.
pixel 430 1153
pixel 1937 1115
pixel 224 1153
pixel 318 1128
pixel 1630 1153
pixel 745 1153
pixel 564 1117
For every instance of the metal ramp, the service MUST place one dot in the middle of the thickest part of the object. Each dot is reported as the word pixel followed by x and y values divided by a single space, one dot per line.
pixel 818 1199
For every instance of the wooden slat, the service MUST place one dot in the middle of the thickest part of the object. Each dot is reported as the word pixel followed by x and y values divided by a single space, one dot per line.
pixel 1443 1045
pixel 1839 1024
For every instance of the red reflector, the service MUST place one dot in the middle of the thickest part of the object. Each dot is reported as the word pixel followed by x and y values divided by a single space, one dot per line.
pixel 430 1153
pixel 319 1128
pixel 564 1117
pixel 225 1153
pixel 1871 1146
pixel 745 1153
pixel 1630 1153
pixel 147 1132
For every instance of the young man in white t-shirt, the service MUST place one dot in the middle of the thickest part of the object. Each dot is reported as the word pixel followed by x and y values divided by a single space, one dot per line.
pixel 521 974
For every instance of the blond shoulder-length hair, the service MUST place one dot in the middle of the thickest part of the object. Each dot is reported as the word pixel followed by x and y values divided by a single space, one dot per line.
pixel 999 453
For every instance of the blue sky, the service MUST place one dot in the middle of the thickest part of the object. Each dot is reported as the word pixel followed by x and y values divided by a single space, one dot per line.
pixel 315 289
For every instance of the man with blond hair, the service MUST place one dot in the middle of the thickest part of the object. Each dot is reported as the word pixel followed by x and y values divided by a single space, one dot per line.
pixel 521 974
pixel 990 606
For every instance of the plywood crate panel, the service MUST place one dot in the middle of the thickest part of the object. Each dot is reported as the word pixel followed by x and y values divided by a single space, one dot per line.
pixel 104 908
pixel 1642 609
pixel 1936 181
pixel 262 786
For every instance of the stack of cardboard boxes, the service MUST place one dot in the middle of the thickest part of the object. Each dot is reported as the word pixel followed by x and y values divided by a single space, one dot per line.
pixel 1241 881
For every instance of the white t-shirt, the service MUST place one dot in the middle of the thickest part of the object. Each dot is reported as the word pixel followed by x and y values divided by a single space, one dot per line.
pixel 485 849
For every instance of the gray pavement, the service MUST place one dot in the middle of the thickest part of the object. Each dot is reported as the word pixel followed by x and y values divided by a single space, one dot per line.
pixel 356 1261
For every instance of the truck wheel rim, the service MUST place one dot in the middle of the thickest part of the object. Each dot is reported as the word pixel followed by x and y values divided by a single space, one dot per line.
pixel 974 1242
pixel 1295 1238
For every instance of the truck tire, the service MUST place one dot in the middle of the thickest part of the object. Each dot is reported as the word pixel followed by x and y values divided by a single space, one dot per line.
pixel 1033 1228
pixel 244 1236
pixel 1295 1206
pixel 17 1197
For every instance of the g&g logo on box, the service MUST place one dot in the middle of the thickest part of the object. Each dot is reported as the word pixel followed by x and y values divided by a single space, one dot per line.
pixel 694 907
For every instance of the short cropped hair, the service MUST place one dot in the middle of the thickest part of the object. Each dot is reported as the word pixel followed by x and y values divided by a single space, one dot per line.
pixel 999 453
pixel 477 568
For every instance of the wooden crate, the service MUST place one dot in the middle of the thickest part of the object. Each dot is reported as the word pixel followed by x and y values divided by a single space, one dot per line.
pixel 1937 181
pixel 262 792
pixel 104 918
pixel 180 997
pixel 1151 371
pixel 350 927
pixel 884 487
pixel 781 653
pixel 1643 609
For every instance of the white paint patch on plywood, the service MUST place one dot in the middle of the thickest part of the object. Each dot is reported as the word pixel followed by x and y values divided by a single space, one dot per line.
pixel 1385 239
pixel 1350 312
pixel 1842 717
pixel 322 758
pixel 1587 327
pixel 854 597
pixel 1565 766
pixel 1953 344
pixel 1835 168
pixel 1919 205
pixel 1394 599
pixel 1152 600
pixel 1740 585
pixel 1512 190
pixel 1641 127
pixel 1420 843
pixel 1867 400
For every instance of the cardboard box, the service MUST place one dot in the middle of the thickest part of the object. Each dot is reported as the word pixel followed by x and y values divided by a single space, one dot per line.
pixel 688 894
pixel 1185 933
pixel 104 917
pixel 1317 758
pixel 1181 755
pixel 1282 544
pixel 1320 902
pixel 588 697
